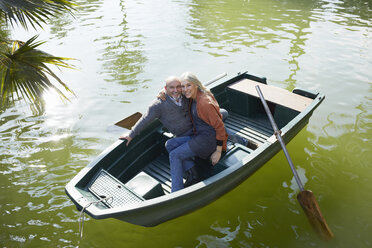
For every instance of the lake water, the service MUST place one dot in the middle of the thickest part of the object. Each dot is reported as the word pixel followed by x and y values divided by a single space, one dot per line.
pixel 125 49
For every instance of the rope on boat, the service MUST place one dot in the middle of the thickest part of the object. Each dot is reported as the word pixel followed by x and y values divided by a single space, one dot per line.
pixel 81 216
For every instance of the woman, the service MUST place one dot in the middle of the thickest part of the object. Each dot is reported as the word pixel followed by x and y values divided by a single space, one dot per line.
pixel 209 139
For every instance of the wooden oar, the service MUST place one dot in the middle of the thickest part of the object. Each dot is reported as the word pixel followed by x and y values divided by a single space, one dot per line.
pixel 129 121
pixel 306 198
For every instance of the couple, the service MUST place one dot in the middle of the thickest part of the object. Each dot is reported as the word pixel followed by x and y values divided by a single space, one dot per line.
pixel 194 118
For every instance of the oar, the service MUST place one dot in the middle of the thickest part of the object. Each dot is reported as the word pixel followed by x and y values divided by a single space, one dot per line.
pixel 129 121
pixel 215 79
pixel 306 198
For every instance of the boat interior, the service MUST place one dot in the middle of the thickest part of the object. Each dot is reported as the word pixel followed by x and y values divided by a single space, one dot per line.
pixel 141 171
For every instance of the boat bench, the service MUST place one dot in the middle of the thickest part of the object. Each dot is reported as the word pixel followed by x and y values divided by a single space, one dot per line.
pixel 116 194
pixel 272 94
pixel 284 105
pixel 145 185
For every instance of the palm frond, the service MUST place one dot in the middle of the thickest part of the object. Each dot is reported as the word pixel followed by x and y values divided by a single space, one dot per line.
pixel 33 12
pixel 24 71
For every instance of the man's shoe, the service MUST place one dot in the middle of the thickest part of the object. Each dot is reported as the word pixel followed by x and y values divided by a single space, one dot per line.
pixel 192 177
pixel 188 179
pixel 191 182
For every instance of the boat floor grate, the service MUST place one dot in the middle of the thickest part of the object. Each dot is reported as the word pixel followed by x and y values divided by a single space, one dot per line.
pixel 104 185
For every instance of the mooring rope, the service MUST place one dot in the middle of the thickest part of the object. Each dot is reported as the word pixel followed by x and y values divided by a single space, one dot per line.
pixel 81 217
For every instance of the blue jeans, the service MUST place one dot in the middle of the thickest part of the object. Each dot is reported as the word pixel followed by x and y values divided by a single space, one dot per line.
pixel 180 159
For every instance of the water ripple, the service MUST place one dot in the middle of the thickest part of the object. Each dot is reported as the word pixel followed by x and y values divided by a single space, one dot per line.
pixel 125 49
pixel 217 242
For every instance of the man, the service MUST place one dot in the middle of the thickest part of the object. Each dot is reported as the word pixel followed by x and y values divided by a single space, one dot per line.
pixel 172 113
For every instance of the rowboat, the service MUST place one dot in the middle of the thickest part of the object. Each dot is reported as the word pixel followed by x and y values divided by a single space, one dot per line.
pixel 133 183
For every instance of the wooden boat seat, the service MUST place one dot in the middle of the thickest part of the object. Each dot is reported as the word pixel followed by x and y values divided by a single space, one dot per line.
pixel 273 94
pixel 145 185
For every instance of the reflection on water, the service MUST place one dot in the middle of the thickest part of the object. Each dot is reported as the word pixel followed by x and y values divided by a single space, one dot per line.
pixel 293 186
pixel 348 13
pixel 126 48
pixel 218 25
pixel 219 242
pixel 122 57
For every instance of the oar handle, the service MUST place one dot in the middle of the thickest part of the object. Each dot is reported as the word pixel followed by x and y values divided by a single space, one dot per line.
pixel 279 137
pixel 215 79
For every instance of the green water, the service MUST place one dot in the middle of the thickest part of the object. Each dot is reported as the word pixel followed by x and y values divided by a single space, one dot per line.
pixel 125 50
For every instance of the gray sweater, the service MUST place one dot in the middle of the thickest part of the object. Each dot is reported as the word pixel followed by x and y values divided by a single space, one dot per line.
pixel 176 119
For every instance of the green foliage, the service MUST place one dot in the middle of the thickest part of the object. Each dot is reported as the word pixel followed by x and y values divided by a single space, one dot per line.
pixel 23 68
pixel 32 12
pixel 24 73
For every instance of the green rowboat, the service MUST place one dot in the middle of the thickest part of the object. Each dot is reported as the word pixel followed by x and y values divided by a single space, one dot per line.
pixel 133 183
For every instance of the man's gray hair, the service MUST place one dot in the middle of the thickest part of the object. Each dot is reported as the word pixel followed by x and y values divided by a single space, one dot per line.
pixel 171 79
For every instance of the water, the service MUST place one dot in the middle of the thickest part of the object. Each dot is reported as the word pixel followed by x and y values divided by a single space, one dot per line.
pixel 125 50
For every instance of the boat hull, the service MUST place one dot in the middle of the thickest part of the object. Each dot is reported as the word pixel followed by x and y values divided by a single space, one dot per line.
pixel 238 164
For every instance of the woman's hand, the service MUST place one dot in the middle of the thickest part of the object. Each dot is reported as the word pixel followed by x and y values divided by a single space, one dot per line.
pixel 161 95
pixel 216 156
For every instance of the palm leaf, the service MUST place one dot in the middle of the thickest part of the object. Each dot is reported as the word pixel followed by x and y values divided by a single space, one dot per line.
pixel 24 72
pixel 33 12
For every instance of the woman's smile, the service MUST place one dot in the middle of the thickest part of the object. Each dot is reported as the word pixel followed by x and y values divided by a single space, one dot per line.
pixel 189 89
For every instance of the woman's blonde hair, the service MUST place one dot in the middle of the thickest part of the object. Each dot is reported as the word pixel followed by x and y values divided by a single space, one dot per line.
pixel 190 77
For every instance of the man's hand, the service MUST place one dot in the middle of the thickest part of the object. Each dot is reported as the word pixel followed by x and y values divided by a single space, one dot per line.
pixel 126 137
pixel 216 156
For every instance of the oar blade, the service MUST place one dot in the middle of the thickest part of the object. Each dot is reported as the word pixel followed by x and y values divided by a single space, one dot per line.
pixel 311 208
pixel 129 121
